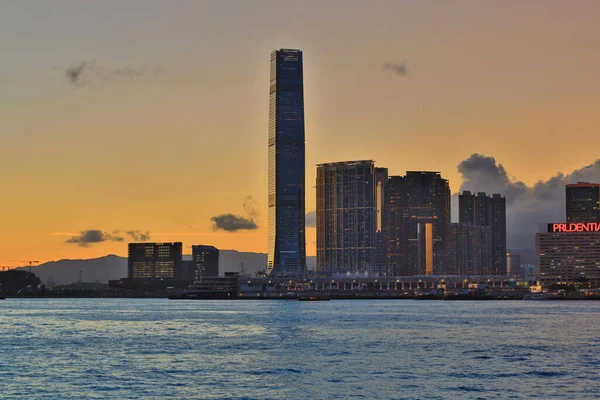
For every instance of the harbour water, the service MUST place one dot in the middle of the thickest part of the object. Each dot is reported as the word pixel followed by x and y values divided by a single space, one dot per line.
pixel 405 349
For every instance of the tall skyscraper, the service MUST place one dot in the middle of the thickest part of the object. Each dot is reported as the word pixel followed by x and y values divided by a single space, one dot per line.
pixel 583 202
pixel 417 223
pixel 469 249
pixel 498 234
pixel 346 217
pixel 484 210
pixel 154 260
pixel 287 248
pixel 205 262
pixel 381 178
pixel 393 236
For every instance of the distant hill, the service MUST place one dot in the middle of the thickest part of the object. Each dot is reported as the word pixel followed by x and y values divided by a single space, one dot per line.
pixel 63 272
pixel 111 267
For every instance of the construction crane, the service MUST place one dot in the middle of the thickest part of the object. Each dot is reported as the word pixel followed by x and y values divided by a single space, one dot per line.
pixel 29 262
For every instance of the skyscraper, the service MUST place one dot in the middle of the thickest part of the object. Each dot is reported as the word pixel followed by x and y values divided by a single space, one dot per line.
pixel 498 234
pixel 393 236
pixel 469 249
pixel 484 210
pixel 346 217
pixel 417 223
pixel 287 249
pixel 205 262
pixel 583 202
pixel 381 178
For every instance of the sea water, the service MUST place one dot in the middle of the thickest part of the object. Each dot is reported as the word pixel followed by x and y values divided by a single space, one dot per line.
pixel 396 349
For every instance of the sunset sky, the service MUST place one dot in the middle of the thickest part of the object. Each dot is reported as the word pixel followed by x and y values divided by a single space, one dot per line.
pixel 167 125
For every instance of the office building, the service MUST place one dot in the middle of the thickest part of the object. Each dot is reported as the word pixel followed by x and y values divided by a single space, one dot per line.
pixel 393 236
pixel 569 253
pixel 469 249
pixel 417 223
pixel 346 217
pixel 154 260
pixel 513 264
pixel 205 262
pixel 381 178
pixel 583 202
pixel 483 210
pixel 286 238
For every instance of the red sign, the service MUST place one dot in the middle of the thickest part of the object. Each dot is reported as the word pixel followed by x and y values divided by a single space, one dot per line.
pixel 575 227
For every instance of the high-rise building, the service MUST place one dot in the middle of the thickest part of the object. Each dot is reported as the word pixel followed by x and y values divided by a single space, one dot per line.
pixel 484 210
pixel 569 253
pixel 469 249
pixel 583 202
pixel 381 178
pixel 393 236
pixel 417 223
pixel 498 234
pixel 513 263
pixel 205 262
pixel 154 260
pixel 286 246
pixel 346 217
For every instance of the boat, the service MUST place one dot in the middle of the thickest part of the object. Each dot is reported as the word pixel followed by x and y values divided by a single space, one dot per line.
pixel 543 296
pixel 313 298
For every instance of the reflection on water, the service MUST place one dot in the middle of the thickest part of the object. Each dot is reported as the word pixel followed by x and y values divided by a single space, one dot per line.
pixel 135 348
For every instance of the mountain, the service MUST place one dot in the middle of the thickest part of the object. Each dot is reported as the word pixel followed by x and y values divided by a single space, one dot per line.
pixel 63 272
pixel 113 267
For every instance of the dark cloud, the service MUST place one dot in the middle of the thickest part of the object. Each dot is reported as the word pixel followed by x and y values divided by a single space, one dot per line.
pixel 311 219
pixel 93 236
pixel 399 68
pixel 526 206
pixel 89 71
pixel 232 223
pixel 139 235
pixel 74 72
pixel 250 207
pixel 85 238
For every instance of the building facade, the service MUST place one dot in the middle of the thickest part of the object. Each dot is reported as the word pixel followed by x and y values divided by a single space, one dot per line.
pixel 469 249
pixel 569 253
pixel 154 260
pixel 417 223
pixel 583 202
pixel 286 238
pixel 513 264
pixel 483 210
pixel 393 234
pixel 381 178
pixel 205 262
pixel 346 217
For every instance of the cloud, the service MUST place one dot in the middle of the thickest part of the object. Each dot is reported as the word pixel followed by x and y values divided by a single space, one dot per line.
pixel 232 223
pixel 139 235
pixel 87 237
pixel 93 236
pixel 89 71
pixel 311 219
pixel 399 68
pixel 526 206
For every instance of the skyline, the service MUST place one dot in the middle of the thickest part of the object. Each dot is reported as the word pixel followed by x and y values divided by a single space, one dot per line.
pixel 88 156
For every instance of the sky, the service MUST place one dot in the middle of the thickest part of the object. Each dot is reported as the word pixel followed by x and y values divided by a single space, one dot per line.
pixel 162 123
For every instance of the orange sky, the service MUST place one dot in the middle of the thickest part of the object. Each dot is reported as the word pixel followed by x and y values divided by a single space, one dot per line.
pixel 187 140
